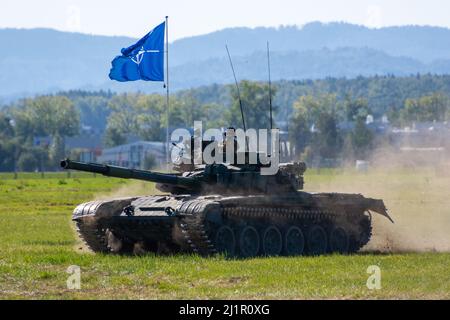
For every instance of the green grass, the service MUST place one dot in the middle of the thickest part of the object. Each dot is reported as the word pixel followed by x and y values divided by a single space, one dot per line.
pixel 38 244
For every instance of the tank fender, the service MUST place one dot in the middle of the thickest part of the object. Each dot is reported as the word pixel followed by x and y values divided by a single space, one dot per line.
pixel 195 207
pixel 101 209
pixel 378 206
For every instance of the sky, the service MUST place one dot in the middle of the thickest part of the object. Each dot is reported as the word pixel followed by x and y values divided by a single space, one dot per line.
pixel 194 17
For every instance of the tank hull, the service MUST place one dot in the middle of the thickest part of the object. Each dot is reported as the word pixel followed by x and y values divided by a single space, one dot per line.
pixel 299 223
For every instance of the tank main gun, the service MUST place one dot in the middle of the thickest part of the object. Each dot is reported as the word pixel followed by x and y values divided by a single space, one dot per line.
pixel 121 172
pixel 215 178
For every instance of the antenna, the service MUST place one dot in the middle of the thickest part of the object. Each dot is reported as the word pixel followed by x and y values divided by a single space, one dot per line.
pixel 270 86
pixel 237 87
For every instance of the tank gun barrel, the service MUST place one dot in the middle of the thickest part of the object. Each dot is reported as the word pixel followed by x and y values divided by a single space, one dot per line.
pixel 121 172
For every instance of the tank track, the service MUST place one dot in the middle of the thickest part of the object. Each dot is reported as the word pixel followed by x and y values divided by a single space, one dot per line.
pixel 199 235
pixel 193 228
pixel 89 219
pixel 92 235
pixel 198 232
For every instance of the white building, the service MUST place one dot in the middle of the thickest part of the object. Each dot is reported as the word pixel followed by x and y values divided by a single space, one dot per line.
pixel 133 155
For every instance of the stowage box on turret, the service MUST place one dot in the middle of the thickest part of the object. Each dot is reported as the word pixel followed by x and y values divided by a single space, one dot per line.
pixel 221 208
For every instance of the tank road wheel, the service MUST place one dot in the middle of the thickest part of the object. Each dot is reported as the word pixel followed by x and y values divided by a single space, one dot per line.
pixel 366 231
pixel 339 241
pixel 317 240
pixel 225 241
pixel 249 242
pixel 117 245
pixel 272 242
pixel 294 241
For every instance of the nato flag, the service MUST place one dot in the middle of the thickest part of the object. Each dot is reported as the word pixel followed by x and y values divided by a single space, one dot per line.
pixel 144 60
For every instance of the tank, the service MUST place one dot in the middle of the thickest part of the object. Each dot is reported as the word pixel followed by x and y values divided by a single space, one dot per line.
pixel 222 208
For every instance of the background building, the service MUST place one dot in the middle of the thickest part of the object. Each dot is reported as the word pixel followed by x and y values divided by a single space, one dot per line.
pixel 140 154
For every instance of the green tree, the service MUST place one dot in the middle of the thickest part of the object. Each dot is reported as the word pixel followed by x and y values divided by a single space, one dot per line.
pixel 146 116
pixel 47 115
pixel 434 107
pixel 94 109
pixel 54 116
pixel 151 117
pixel 122 120
pixel 213 115
pixel 32 159
pixel 301 122
pixel 327 140
pixel 356 108
pixel 314 123
pixel 362 139
pixel 8 143
pixel 255 103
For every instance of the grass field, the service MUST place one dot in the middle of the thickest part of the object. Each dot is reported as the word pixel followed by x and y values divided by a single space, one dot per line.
pixel 38 244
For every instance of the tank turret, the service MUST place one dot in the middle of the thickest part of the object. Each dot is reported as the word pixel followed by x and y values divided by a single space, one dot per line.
pixel 207 179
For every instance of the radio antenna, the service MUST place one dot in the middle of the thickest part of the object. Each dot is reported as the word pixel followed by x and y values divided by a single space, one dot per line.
pixel 270 86
pixel 237 87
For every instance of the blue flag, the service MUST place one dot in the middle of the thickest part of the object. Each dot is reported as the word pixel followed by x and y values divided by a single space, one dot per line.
pixel 144 60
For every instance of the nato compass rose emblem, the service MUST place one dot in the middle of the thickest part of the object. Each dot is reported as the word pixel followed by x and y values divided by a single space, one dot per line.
pixel 140 55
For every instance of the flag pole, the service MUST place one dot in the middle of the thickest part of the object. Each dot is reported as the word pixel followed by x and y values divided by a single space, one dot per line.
pixel 167 92
pixel 270 87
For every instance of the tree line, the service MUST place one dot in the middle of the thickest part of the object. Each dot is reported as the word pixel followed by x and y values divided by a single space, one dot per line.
pixel 33 130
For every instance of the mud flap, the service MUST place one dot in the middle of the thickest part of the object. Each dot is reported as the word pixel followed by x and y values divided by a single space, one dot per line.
pixel 378 207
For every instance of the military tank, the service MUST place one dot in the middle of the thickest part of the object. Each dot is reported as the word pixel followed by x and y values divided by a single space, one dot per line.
pixel 228 209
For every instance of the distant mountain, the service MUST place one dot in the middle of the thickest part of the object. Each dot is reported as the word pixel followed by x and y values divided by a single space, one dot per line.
pixel 42 60
pixel 312 64
pixel 422 43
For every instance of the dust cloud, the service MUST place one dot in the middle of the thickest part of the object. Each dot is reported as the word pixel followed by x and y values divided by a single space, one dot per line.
pixel 419 199
pixel 132 188
pixel 415 186
pixel 129 189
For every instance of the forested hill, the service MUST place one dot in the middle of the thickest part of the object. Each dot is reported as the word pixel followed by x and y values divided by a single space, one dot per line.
pixel 384 94
pixel 42 60
pixel 418 42
pixel 313 64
